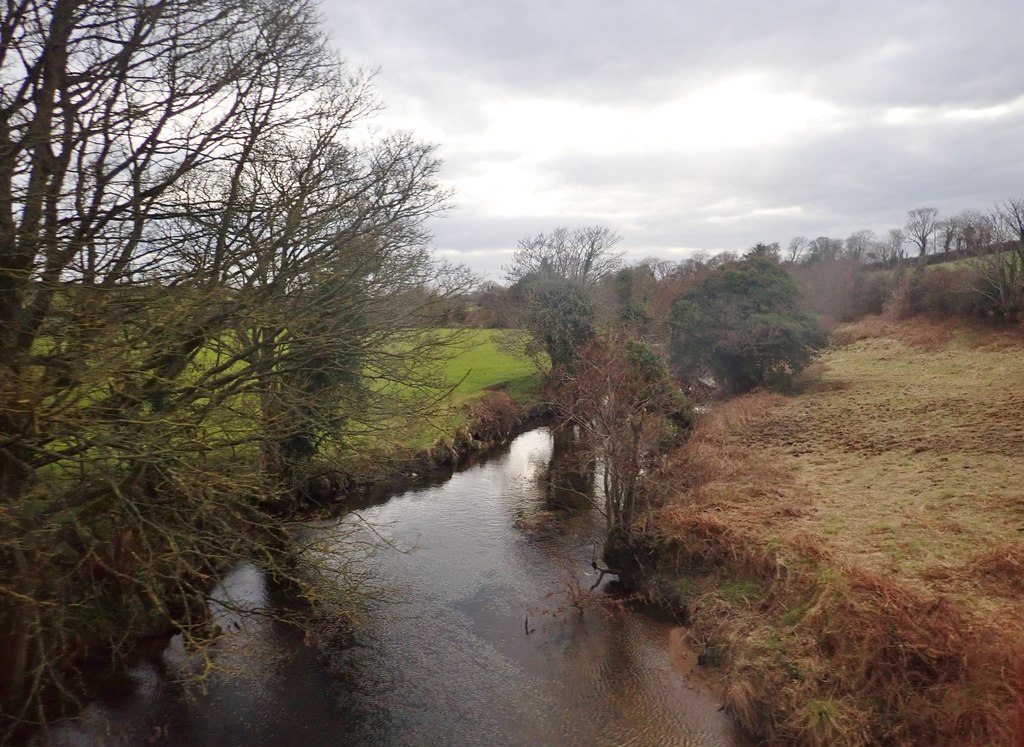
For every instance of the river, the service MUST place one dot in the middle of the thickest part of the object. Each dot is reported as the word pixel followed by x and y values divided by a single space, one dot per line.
pixel 443 656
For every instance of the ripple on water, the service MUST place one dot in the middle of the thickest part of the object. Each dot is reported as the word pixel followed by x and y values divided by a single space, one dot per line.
pixel 444 659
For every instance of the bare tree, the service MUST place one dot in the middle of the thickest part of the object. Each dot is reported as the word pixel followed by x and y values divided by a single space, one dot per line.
pixel 582 255
pixel 796 248
pixel 946 231
pixel 660 268
pixel 920 227
pixel 999 263
pixel 554 277
pixel 860 245
pixel 823 249
pixel 892 249
pixel 1010 215
pixel 972 229
pixel 199 275
pixel 622 399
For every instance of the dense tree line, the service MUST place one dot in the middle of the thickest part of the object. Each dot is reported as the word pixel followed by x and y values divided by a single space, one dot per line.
pixel 838 278
pixel 968 233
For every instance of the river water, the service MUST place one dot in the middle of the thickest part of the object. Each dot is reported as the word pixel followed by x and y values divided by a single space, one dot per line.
pixel 443 656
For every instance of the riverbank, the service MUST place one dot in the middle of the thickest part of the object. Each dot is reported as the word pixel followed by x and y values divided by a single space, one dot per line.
pixel 487 423
pixel 851 557
pixel 487 394
pixel 149 574
pixel 440 655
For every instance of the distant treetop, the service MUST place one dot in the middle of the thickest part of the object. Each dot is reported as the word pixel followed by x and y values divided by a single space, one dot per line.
pixel 581 255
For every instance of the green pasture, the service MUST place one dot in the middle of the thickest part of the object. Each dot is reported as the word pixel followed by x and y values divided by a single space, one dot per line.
pixel 480 363
pixel 469 364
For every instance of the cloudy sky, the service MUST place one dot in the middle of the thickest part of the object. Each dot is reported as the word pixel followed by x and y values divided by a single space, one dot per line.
pixel 697 124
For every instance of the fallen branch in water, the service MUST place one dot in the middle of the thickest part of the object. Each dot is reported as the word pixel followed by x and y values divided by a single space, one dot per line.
pixel 603 571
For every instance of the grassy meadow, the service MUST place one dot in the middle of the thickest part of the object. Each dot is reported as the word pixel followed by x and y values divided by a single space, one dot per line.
pixel 481 363
pixel 875 522
pixel 477 362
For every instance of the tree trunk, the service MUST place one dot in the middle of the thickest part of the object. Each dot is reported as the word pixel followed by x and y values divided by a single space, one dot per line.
pixel 14 651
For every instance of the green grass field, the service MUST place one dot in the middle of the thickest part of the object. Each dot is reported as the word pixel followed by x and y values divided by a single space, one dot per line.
pixel 475 363
pixel 480 364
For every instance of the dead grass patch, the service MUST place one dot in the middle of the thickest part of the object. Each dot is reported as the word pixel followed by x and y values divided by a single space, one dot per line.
pixel 1002 567
pixel 860 507
pixel 869 327
pixel 930 334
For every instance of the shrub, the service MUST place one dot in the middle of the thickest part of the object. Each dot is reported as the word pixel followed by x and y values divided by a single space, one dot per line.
pixel 870 293
pixel 745 324
pixel 938 292
pixel 495 417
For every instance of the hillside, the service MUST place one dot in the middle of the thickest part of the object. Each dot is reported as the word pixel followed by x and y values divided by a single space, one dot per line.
pixel 859 546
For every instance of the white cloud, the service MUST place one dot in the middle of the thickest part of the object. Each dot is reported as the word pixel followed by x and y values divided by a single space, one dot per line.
pixel 987 112
pixel 700 124
pixel 737 112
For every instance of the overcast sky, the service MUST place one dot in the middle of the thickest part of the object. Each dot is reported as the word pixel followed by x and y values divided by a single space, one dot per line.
pixel 698 124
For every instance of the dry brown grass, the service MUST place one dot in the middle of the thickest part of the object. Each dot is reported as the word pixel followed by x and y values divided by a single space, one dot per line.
pixel 931 334
pixel 882 510
pixel 1002 568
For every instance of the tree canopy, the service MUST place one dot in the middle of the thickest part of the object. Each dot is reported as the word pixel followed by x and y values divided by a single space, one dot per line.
pixel 743 324
pixel 205 280
pixel 559 315
pixel 554 277
pixel 581 255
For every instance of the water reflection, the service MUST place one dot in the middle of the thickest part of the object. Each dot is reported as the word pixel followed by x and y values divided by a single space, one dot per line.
pixel 568 480
pixel 443 657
